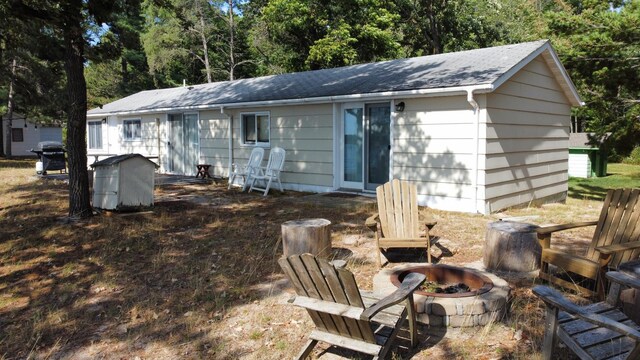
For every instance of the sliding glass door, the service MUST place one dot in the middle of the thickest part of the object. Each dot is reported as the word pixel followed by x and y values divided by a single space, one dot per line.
pixel 365 133
pixel 183 143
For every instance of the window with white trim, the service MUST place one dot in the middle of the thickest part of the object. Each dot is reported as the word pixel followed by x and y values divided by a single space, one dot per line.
pixel 255 128
pixel 132 129
pixel 94 134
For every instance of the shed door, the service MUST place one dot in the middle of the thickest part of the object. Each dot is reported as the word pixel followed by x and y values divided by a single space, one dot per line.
pixel 183 144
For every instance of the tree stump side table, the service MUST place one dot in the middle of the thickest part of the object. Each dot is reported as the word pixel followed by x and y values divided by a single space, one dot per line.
pixel 307 236
pixel 512 246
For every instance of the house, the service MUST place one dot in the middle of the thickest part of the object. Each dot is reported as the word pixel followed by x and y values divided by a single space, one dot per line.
pixel 477 131
pixel 587 155
pixel 26 134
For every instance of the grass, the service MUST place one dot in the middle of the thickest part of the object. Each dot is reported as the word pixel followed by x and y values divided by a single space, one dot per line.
pixel 197 276
pixel 618 176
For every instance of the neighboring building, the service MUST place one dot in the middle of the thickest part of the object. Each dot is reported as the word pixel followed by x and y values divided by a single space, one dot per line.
pixel 26 134
pixel 477 131
pixel 587 156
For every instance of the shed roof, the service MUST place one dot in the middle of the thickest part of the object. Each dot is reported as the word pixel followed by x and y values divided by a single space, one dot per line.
pixel 585 140
pixel 488 67
pixel 118 159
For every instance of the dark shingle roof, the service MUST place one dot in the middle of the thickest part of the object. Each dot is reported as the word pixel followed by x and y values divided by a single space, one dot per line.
pixel 464 68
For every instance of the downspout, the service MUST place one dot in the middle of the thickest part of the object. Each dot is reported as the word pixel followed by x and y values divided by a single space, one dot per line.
pixel 230 117
pixel 476 144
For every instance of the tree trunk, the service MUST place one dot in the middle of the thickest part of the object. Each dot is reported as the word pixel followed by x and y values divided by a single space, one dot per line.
pixel 205 48
pixel 232 61
pixel 11 107
pixel 79 203
pixel 307 236
pixel 511 246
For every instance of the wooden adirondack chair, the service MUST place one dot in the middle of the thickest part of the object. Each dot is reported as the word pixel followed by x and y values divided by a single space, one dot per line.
pixel 615 240
pixel 345 316
pixel 271 172
pixel 596 331
pixel 246 171
pixel 396 224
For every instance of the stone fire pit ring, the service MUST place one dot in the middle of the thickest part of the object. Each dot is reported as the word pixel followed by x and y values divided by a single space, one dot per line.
pixel 464 310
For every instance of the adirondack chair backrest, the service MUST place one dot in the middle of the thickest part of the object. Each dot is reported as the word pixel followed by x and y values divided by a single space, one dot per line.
pixel 317 278
pixel 618 224
pixel 398 209
pixel 276 161
pixel 255 159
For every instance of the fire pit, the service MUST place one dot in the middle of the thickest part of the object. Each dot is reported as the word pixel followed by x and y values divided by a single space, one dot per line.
pixel 455 281
pixel 480 298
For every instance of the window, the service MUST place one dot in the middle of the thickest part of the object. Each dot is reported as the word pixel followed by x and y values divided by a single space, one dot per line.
pixel 132 129
pixel 255 128
pixel 17 135
pixel 94 134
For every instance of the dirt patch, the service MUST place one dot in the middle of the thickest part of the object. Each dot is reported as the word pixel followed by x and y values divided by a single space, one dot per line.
pixel 197 276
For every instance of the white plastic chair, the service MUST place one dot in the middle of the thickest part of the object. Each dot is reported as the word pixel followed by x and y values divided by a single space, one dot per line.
pixel 252 167
pixel 271 172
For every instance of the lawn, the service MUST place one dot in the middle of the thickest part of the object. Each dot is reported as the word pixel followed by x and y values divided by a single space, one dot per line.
pixel 196 276
pixel 618 176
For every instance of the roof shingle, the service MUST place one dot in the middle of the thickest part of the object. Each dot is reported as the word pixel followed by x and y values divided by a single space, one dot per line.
pixel 464 68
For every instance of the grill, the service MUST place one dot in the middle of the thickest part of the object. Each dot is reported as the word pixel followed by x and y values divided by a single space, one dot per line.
pixel 51 155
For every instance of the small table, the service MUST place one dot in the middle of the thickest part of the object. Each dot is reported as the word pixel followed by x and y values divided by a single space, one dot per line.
pixel 203 171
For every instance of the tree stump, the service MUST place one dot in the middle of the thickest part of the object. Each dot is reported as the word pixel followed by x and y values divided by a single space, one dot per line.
pixel 307 236
pixel 512 246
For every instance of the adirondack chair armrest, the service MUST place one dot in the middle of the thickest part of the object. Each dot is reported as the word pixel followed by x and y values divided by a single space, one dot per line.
pixel 328 307
pixel 611 249
pixel 372 222
pixel 410 283
pixel 547 230
pixel 555 299
pixel 624 279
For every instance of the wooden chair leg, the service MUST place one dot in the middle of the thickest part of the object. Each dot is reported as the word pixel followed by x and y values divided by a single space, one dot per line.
pixel 413 326
pixel 550 328
pixel 306 349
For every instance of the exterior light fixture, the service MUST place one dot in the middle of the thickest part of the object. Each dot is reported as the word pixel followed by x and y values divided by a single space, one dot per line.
pixel 104 120
pixel 400 106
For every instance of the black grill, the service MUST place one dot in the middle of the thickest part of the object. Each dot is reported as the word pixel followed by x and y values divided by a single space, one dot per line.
pixel 52 156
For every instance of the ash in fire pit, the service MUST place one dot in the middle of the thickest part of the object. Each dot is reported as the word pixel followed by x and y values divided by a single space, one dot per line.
pixel 452 296
pixel 446 281
pixel 434 287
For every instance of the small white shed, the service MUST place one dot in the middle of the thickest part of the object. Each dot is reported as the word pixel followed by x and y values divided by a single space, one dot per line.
pixel 123 181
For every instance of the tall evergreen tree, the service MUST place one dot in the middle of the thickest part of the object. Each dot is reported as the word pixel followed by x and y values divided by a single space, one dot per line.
pixel 67 21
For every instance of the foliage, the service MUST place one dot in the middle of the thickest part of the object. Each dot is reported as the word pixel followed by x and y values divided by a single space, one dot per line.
pixel 192 40
pixel 600 47
pixel 311 34
pixel 119 63
pixel 634 157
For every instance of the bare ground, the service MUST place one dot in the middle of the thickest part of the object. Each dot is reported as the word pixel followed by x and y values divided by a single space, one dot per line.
pixel 196 275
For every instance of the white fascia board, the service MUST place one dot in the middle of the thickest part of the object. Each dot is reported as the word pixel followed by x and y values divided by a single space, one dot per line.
pixel 556 69
pixel 450 91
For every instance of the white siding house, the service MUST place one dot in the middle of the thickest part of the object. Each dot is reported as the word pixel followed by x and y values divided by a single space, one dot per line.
pixel 26 134
pixel 477 131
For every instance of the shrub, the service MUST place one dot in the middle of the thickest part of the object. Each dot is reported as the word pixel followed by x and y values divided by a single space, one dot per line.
pixel 634 157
